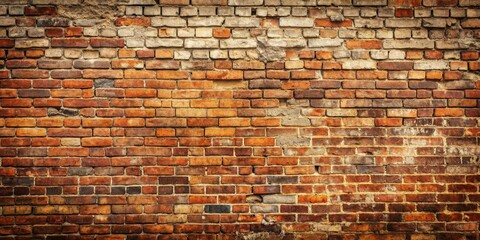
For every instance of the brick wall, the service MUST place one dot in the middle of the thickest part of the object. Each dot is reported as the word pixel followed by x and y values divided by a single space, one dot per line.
pixel 239 119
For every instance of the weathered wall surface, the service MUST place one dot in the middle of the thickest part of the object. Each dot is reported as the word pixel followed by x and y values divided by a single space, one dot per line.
pixel 240 119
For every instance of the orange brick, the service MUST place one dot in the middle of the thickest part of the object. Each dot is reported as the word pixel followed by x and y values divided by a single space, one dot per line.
pixel 221 33
pixel 225 75
pixel 388 122
pixel 165 74
pixel 326 22
pixel 449 112
pixel 31 132
pixel 312 199
pixel 259 141
pixel 137 21
pixel 364 44
pixel 164 53
pixel 139 74
pixel 96 142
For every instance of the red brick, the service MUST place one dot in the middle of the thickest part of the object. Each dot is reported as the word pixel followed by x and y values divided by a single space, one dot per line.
pixel 21 64
pixel 403 12
pixel 16 54
pixel 69 42
pixel 162 64
pixel 474 66
pixel 54 64
pixel 158 228
pixel 388 122
pixel 70 152
pixel 54 32
pixel 39 11
pixel 303 74
pixel 470 23
pixel 145 53
pixel 471 55
pixel 31 74
pixel 407 3
pixel 7 43
pixel 395 65
pixel 84 103
pixel 107 42
pixel 35 53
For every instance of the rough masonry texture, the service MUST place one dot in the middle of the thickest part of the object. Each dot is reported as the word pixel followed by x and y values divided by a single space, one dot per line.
pixel 240 119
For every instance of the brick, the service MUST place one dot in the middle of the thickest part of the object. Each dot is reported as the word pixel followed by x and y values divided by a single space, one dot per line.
pixel 69 42
pixel 403 23
pixel 96 142
pixel 174 2
pixel 363 44
pixel 169 22
pixel 21 64
pixel 296 22
pixel 47 210
pixel 225 75
pixel 107 42
pixel 209 2
pixel 145 53
pixel 320 43
pixel 359 64
pixel 5 22
pixel 52 22
pixel 424 65
pixel 162 64
pixel 158 42
pixel 138 21
pixel 34 53
pixel 388 122
pixel 102 74
pixel 326 22
pixel 419 44
pixel 54 32
pixel 221 33
pixel 201 43
pixel 33 43
pixel 139 74
pixel 238 43
pixel 96 64
pixel 74 32
pixel 403 12
pixel 7 43
pixel 39 11
pixel 33 93
pixel 369 3
pixel 127 64
pixel 29 74
pixel 408 3
pixel 53 64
